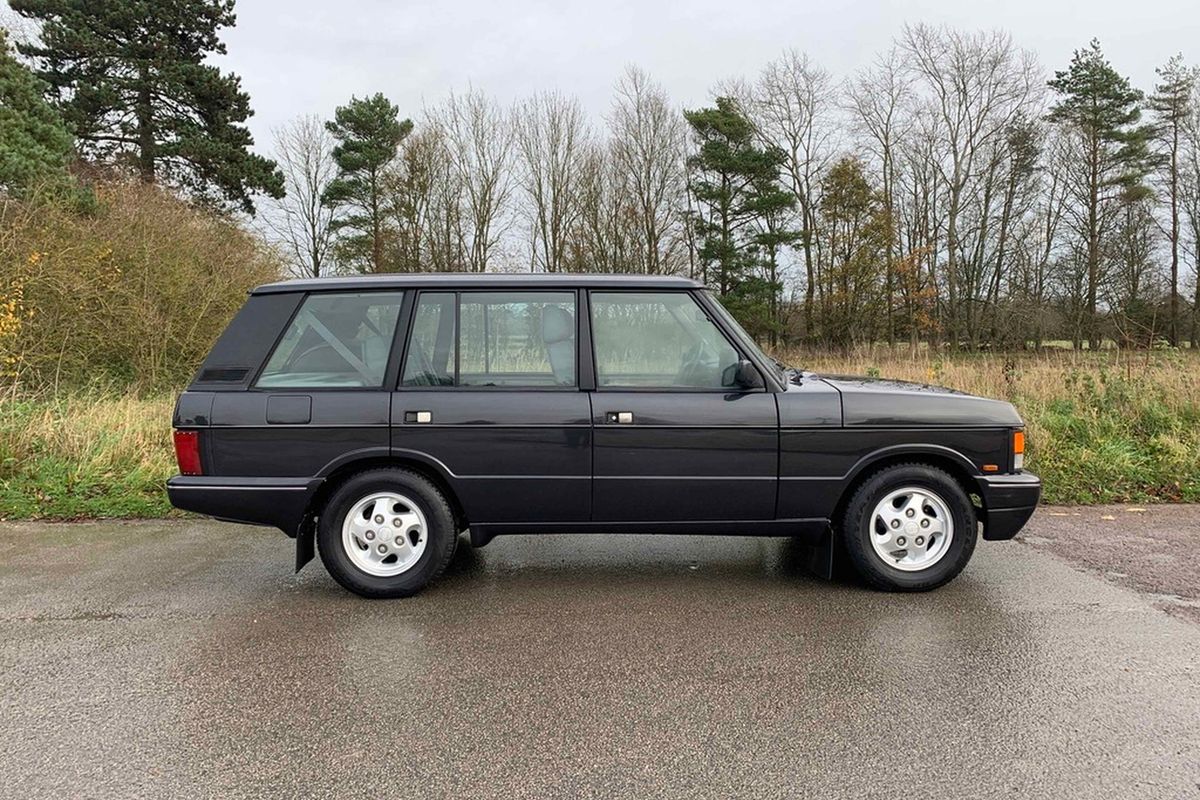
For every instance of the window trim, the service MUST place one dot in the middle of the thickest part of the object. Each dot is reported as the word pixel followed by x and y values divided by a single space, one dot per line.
pixel 405 299
pixel 696 298
pixel 767 371
pixel 455 387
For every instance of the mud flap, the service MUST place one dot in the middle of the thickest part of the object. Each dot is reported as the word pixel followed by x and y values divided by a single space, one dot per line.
pixel 817 558
pixel 480 536
pixel 305 543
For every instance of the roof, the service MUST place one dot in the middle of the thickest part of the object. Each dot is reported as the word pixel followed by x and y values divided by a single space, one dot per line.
pixel 484 280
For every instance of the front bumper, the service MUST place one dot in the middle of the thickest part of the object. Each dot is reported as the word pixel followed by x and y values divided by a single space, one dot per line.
pixel 277 502
pixel 1008 501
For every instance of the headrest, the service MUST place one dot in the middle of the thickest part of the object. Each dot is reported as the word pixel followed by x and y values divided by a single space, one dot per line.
pixel 557 325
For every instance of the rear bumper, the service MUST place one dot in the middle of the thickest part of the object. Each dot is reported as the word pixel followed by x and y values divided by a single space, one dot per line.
pixel 277 502
pixel 1009 501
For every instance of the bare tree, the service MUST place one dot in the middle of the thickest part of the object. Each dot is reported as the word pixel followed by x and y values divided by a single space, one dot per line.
pixel 424 200
pixel 976 85
pixel 648 150
pixel 920 224
pixel 479 142
pixel 1190 201
pixel 792 105
pixel 603 239
pixel 300 221
pixel 551 137
pixel 878 99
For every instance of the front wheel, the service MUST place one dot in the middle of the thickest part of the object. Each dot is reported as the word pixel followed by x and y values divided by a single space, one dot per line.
pixel 386 533
pixel 909 528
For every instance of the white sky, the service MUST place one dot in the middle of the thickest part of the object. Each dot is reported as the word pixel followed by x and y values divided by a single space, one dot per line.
pixel 308 56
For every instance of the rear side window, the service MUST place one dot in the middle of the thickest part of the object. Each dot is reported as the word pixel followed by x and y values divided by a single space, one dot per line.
pixel 493 339
pixel 335 340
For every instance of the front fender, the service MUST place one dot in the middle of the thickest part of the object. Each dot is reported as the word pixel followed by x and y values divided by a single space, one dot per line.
pixel 900 450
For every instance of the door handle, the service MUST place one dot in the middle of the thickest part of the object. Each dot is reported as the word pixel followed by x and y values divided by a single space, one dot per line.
pixel 421 417
pixel 619 417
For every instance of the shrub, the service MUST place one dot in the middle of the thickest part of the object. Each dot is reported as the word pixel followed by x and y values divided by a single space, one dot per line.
pixel 132 292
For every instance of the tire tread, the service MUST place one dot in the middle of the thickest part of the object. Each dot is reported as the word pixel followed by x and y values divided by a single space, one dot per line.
pixel 865 560
pixel 363 585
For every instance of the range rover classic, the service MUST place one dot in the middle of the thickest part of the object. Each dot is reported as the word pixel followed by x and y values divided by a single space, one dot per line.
pixel 374 419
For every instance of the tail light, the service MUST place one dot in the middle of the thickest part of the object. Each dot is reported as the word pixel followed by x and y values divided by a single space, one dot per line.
pixel 1018 450
pixel 187 452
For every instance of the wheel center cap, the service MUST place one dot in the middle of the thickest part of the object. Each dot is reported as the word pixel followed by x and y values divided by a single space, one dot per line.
pixel 910 527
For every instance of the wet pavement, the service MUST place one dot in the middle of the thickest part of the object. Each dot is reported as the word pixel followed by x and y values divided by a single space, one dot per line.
pixel 183 659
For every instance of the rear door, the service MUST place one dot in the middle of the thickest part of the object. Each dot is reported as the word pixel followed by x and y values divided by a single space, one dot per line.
pixel 322 395
pixel 490 390
pixel 675 439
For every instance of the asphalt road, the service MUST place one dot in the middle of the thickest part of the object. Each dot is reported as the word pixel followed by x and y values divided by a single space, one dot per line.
pixel 184 659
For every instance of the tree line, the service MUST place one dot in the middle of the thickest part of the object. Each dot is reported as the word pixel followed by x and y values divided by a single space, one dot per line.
pixel 953 191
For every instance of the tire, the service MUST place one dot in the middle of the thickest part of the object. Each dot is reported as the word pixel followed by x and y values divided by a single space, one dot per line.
pixel 880 535
pixel 404 553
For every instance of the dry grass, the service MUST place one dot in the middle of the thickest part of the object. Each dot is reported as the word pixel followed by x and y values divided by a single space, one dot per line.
pixel 1106 428
pixel 85 455
pixel 1020 376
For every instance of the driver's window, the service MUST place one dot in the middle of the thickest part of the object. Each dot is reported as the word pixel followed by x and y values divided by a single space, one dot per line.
pixel 336 339
pixel 658 340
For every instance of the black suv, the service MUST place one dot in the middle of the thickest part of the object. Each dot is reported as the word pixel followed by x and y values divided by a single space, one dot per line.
pixel 383 415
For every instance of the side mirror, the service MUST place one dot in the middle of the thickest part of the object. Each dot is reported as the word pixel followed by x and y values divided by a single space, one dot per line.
pixel 747 376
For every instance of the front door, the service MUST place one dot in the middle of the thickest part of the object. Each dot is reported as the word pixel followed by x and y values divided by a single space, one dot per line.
pixel 490 389
pixel 674 437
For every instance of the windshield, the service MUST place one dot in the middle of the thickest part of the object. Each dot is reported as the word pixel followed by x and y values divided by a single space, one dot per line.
pixel 747 340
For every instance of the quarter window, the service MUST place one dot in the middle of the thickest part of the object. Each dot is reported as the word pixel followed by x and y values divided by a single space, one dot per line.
pixel 493 339
pixel 658 340
pixel 335 340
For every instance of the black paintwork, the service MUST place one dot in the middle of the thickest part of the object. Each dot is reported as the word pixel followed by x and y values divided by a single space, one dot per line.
pixel 776 460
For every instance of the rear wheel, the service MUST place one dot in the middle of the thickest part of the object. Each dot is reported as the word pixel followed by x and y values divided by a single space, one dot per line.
pixel 909 527
pixel 386 533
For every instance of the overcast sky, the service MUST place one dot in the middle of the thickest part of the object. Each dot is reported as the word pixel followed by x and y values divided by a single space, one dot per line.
pixel 307 56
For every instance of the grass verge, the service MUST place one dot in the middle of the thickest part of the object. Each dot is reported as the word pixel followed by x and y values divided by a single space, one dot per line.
pixel 1103 428
pixel 85 455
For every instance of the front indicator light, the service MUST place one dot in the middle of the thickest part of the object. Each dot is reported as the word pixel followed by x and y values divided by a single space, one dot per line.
pixel 1018 450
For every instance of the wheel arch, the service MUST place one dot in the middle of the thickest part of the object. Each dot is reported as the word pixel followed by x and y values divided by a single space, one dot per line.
pixel 950 461
pixel 426 467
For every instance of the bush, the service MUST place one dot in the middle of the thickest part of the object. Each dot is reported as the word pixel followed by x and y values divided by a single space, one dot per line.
pixel 131 292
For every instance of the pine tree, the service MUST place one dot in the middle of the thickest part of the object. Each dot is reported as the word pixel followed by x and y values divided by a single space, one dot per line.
pixel 130 79
pixel 1172 106
pixel 369 133
pixel 35 144
pixel 1100 108
pixel 741 222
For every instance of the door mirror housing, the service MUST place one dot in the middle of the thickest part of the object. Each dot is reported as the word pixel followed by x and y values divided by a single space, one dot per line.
pixel 746 375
